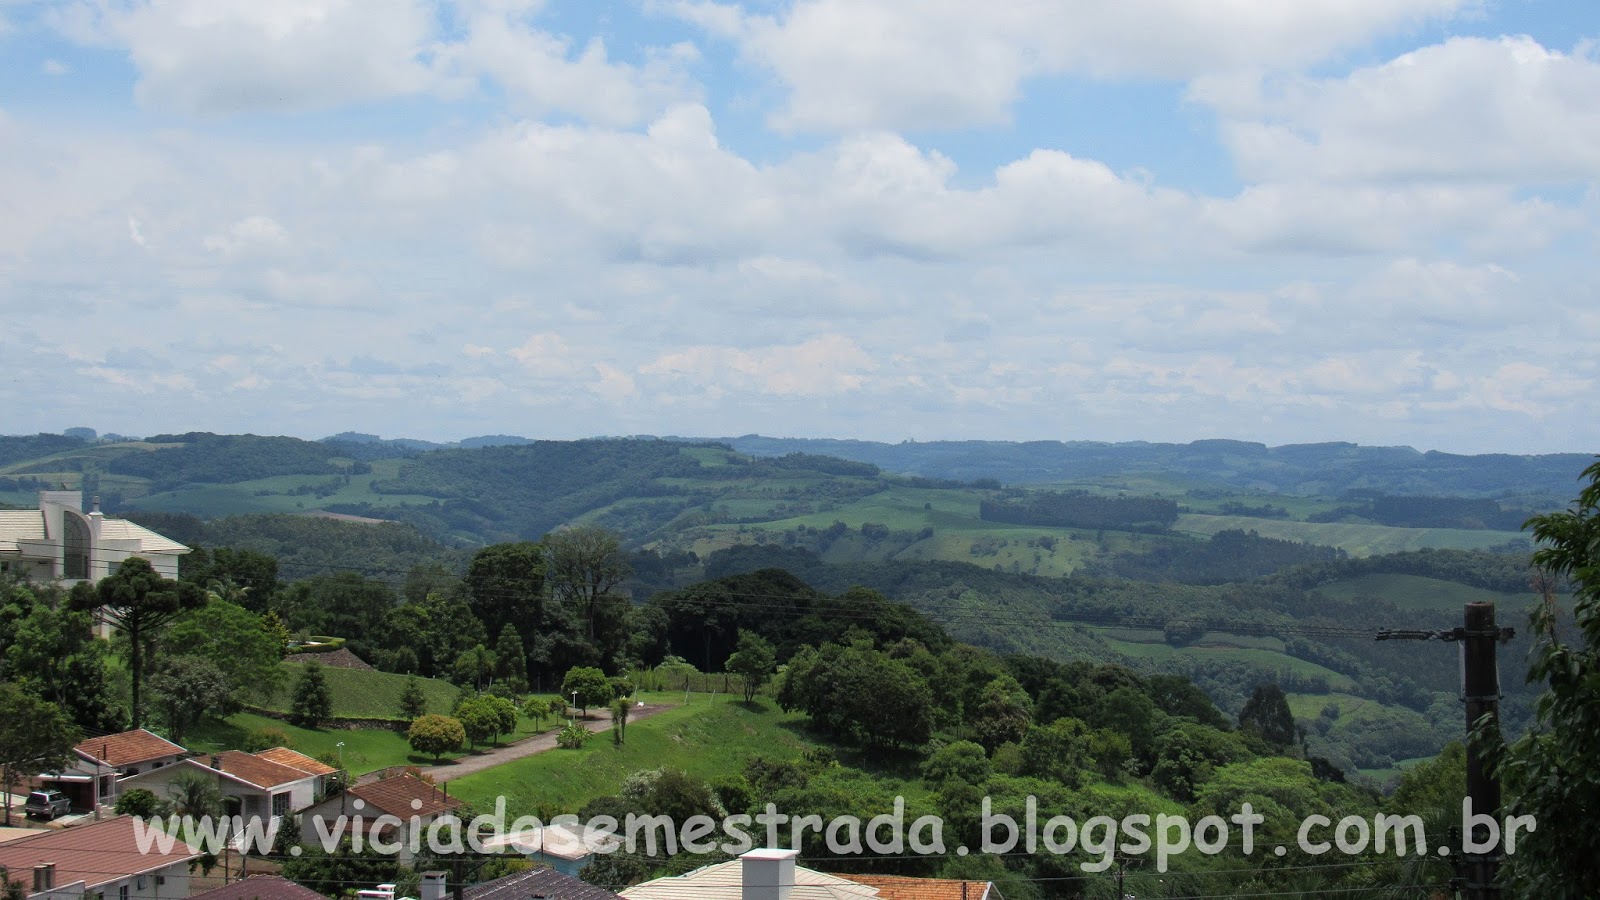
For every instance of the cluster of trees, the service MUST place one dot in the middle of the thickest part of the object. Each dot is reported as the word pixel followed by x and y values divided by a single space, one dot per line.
pixel 1231 555
pixel 1081 509
pixel 224 459
pixel 1425 512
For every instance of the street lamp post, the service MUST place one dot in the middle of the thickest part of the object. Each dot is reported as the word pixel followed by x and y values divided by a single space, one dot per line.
pixel 573 720
pixel 340 747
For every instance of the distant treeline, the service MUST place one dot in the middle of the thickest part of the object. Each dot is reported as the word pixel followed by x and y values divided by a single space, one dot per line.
pixel 1231 555
pixel 1508 572
pixel 1081 509
pixel 225 459
pixel 1426 512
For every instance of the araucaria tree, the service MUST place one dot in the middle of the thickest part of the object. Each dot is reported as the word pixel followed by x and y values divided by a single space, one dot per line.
pixel 584 566
pixel 139 603
pixel 1553 771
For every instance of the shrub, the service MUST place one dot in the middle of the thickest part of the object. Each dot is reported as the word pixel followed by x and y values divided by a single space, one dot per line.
pixel 142 803
pixel 259 739
pixel 572 737
pixel 436 734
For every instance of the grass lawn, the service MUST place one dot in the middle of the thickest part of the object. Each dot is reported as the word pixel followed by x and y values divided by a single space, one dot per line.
pixel 1358 540
pixel 364 750
pixel 364 693
pixel 705 737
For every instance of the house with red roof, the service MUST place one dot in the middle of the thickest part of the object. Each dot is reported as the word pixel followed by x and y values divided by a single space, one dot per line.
pixel 104 860
pixel 387 811
pixel 99 765
pixel 254 786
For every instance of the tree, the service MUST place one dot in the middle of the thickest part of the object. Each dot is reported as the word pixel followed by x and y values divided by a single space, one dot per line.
pixel 506 584
pixel 1553 771
pixel 859 694
pixel 619 720
pixel 510 661
pixel 186 690
pixel 36 738
pixel 1267 716
pixel 141 802
pixel 233 640
pixel 313 700
pixel 584 565
pixel 1003 713
pixel 413 703
pixel 486 717
pixel 590 684
pixel 475 667
pixel 196 794
pixel 1058 751
pixel 138 603
pixel 753 662
pixel 436 734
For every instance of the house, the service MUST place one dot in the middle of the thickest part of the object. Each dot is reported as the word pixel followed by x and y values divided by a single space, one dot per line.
pixel 60 542
pixel 99 861
pixel 565 848
pixel 297 760
pixel 765 874
pixel 901 887
pixel 547 884
pixel 260 887
pixel 98 766
pixel 410 800
pixel 255 788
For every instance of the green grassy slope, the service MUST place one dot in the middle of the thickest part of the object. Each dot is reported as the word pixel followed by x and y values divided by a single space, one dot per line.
pixel 363 693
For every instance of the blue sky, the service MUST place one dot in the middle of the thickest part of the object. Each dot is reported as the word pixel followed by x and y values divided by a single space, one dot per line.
pixel 1368 220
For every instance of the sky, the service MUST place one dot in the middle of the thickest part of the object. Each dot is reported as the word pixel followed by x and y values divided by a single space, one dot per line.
pixel 1362 220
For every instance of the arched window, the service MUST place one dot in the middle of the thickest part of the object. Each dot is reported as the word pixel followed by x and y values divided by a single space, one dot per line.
pixel 75 565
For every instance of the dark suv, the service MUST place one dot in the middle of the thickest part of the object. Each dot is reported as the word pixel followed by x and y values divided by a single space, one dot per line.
pixel 47 804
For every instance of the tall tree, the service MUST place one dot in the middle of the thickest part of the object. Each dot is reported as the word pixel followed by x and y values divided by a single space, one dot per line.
pixel 510 661
pixel 186 689
pixel 1553 771
pixel 506 585
pixel 139 603
pixel 234 640
pixel 37 737
pixel 1267 716
pixel 313 700
pixel 586 565
pixel 753 662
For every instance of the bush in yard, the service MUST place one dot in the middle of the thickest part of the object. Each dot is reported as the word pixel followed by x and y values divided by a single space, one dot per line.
pixel 572 737
pixel 437 735
pixel 142 803
pixel 259 739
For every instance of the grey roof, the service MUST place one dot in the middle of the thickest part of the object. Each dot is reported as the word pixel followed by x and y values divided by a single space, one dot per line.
pixel 538 883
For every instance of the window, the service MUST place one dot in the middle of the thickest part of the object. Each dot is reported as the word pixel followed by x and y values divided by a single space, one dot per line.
pixel 140 884
pixel 280 804
pixel 122 893
pixel 75 564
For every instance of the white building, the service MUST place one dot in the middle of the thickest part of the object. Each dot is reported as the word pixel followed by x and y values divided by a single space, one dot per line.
pixel 60 542
pixel 253 786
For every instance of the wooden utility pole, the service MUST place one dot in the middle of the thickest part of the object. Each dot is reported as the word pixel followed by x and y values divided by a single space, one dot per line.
pixel 1479 637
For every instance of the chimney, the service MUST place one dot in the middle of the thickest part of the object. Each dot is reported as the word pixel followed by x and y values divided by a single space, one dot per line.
pixel 216 762
pixel 768 874
pixel 433 885
pixel 44 877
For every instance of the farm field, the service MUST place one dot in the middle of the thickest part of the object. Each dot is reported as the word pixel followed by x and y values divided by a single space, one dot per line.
pixel 1417 592
pixel 1357 540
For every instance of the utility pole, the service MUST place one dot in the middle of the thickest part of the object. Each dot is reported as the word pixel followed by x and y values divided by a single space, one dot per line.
pixel 1480 691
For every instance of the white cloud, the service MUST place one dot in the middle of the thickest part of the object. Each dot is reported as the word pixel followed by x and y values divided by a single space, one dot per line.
pixel 1466 110
pixel 215 57
pixel 543 74
pixel 852 64
pixel 52 67
pixel 823 366
pixel 247 234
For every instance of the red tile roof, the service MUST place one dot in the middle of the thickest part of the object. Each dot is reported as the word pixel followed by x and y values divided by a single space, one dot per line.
pixel 404 796
pixel 260 887
pixel 295 760
pixel 901 887
pixel 128 748
pixel 95 854
pixel 247 767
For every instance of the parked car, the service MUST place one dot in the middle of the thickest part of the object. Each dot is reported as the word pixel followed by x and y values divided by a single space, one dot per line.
pixel 47 804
